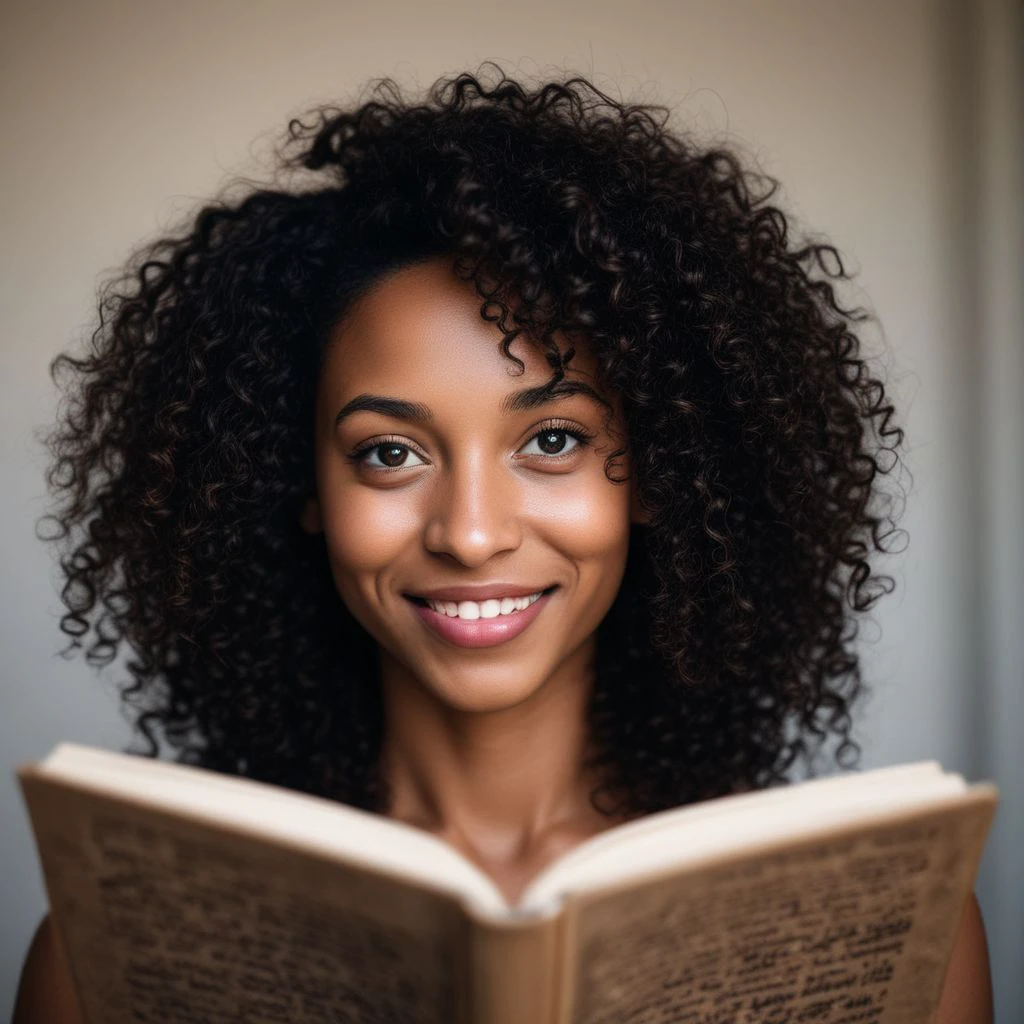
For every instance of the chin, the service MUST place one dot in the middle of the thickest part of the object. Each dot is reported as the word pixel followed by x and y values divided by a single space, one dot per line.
pixel 481 698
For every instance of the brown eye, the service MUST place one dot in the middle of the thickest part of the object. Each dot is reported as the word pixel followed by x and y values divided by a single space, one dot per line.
pixel 551 442
pixel 392 454
pixel 388 455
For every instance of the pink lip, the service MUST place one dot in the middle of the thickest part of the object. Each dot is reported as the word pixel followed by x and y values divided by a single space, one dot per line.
pixel 481 632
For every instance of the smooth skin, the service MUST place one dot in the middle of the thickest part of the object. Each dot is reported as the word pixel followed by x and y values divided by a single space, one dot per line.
pixel 483 746
pixel 464 484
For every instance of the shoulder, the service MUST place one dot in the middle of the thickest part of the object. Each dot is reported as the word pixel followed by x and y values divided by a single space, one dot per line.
pixel 46 994
pixel 967 991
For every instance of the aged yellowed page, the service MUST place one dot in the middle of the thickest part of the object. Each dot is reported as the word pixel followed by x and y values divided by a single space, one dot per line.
pixel 185 919
pixel 847 929
pixel 166 922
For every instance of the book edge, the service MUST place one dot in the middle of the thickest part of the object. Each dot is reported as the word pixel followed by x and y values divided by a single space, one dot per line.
pixel 485 899
pixel 978 794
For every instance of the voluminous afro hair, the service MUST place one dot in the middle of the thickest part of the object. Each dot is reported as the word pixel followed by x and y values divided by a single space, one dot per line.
pixel 758 436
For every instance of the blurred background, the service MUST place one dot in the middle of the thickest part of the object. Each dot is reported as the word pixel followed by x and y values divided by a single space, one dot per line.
pixel 896 130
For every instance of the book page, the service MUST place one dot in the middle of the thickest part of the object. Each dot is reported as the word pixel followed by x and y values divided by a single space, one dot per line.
pixel 716 827
pixel 279 815
pixel 167 922
pixel 852 929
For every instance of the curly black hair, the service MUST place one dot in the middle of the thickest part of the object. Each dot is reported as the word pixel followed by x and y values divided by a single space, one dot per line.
pixel 757 431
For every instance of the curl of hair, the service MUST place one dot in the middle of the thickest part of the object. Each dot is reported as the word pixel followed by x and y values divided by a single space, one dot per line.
pixel 757 433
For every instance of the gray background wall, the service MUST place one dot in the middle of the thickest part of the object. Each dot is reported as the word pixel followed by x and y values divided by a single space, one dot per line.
pixel 895 127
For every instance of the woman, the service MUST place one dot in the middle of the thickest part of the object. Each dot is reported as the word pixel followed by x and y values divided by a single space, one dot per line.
pixel 510 472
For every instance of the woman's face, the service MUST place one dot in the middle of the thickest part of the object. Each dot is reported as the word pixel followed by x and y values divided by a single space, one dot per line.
pixel 451 493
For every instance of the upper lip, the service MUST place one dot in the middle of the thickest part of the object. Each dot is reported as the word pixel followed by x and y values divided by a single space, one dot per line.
pixel 477 592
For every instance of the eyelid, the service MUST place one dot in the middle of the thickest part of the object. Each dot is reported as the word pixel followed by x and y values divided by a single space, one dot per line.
pixel 569 426
pixel 358 454
pixel 582 436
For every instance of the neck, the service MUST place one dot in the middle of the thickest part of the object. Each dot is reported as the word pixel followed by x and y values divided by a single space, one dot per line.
pixel 497 784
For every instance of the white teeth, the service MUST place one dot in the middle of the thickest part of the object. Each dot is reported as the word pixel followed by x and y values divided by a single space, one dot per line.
pixel 490 609
pixel 469 610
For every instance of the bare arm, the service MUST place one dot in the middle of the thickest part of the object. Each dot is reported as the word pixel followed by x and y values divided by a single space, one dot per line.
pixel 46 994
pixel 967 992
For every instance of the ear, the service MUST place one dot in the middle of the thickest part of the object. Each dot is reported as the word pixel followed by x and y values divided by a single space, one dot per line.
pixel 310 519
pixel 638 515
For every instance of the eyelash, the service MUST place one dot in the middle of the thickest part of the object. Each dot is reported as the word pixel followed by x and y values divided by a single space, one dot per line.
pixel 360 454
pixel 582 438
pixel 577 433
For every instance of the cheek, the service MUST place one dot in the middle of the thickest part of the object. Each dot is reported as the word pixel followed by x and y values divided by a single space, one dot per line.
pixel 588 520
pixel 366 531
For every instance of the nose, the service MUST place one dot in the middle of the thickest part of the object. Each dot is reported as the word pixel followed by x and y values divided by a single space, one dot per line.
pixel 474 513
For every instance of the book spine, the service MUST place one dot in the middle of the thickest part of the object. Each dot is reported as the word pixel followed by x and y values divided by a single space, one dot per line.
pixel 514 970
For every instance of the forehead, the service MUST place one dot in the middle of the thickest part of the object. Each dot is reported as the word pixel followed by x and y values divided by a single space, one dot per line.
pixel 420 329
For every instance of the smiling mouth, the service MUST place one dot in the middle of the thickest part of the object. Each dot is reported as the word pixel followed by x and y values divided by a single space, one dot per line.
pixel 472 611
pixel 474 624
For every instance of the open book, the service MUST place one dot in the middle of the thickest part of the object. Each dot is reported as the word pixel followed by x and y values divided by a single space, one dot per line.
pixel 185 897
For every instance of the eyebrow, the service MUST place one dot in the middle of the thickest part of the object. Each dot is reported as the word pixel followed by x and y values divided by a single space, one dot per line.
pixel 532 398
pixel 399 408
pixel 521 401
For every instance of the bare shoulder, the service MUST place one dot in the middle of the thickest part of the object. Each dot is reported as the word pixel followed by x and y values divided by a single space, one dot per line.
pixel 967 992
pixel 46 994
